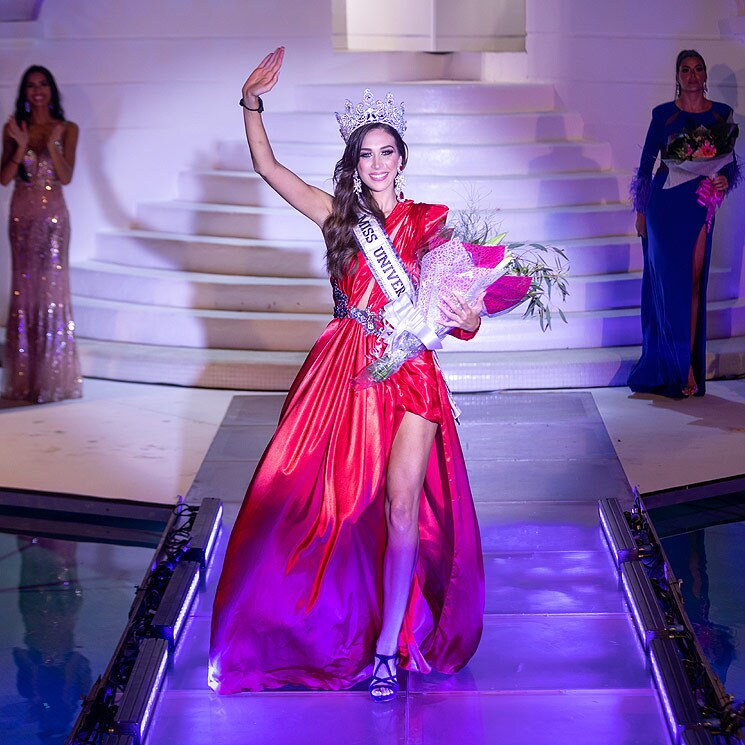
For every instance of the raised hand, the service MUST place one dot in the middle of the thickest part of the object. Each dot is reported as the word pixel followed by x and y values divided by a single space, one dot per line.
pixel 264 77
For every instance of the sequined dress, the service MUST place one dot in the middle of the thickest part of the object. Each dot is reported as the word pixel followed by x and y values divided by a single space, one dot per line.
pixel 299 600
pixel 40 362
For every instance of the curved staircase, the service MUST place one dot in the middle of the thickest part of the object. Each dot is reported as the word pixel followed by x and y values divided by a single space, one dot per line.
pixel 225 286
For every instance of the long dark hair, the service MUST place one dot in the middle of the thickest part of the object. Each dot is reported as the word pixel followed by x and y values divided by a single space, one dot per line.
pixel 341 247
pixel 55 105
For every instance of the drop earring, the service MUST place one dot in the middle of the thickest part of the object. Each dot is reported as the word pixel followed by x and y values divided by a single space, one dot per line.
pixel 677 90
pixel 27 107
pixel 399 184
pixel 357 184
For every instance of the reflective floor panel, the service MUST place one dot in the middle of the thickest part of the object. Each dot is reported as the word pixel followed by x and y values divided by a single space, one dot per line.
pixel 559 660
pixel 63 606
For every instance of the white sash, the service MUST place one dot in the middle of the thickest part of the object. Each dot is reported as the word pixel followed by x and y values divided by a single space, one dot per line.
pixel 390 273
pixel 385 263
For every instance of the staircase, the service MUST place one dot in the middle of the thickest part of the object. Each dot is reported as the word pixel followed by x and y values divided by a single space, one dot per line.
pixel 225 286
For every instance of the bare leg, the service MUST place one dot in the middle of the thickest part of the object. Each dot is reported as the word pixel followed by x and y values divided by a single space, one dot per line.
pixel 699 254
pixel 405 476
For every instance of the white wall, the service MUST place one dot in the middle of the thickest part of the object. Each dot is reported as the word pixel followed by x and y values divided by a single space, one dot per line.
pixel 613 62
pixel 154 85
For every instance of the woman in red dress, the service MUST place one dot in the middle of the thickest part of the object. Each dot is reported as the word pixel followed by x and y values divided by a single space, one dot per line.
pixel 357 547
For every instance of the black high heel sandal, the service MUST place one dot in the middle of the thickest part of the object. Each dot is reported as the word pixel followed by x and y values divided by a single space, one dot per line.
pixel 387 685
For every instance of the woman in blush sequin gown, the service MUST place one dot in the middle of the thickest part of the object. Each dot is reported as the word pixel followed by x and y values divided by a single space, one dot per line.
pixel 357 546
pixel 676 243
pixel 40 362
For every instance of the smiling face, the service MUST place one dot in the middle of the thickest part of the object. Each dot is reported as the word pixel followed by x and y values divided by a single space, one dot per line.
pixel 691 75
pixel 38 91
pixel 379 161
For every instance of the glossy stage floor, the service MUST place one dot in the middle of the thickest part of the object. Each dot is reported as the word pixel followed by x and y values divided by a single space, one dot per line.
pixel 559 660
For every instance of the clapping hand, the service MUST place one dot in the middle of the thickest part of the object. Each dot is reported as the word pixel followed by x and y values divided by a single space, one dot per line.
pixel 18 133
pixel 264 77
pixel 56 134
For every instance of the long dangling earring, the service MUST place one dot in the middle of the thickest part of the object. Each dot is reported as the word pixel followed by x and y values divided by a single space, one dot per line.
pixel 399 184
pixel 677 90
pixel 357 184
pixel 27 107
pixel 706 88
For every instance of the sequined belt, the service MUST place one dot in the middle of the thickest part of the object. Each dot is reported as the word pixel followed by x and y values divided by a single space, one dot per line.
pixel 372 323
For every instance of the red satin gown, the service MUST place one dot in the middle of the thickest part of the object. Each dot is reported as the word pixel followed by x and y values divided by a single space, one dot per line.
pixel 299 600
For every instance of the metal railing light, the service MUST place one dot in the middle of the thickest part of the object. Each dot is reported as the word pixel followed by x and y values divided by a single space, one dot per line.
pixel 204 531
pixel 142 689
pixel 681 708
pixel 169 619
pixel 117 739
pixel 617 532
pixel 696 737
pixel 648 617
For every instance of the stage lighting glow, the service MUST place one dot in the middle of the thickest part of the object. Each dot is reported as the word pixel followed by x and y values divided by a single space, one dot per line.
pixel 680 706
pixel 616 531
pixel 648 617
pixel 204 531
pixel 174 606
pixel 142 689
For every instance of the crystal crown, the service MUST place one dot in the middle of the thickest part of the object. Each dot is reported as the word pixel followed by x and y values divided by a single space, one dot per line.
pixel 369 111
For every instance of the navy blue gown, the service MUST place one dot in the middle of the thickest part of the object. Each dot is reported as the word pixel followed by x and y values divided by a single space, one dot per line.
pixel 674 222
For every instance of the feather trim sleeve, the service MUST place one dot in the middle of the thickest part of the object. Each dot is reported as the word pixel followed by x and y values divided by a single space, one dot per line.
pixel 639 190
pixel 642 182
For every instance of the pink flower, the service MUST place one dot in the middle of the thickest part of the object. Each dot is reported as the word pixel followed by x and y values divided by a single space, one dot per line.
pixel 705 151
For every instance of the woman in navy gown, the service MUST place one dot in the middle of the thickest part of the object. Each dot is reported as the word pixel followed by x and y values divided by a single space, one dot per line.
pixel 676 241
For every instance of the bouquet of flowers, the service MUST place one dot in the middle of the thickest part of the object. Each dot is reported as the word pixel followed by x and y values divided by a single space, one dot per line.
pixel 509 273
pixel 701 151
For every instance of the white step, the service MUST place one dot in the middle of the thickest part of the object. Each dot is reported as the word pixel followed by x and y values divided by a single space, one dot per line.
pixel 589 329
pixel 555 224
pixel 168 288
pixel 443 160
pixel 145 286
pixel 212 254
pixel 435 128
pixel 110 320
pixel 465 371
pixel 148 324
pixel 546 190
pixel 434 97
pixel 623 290
pixel 292 258
pixel 603 254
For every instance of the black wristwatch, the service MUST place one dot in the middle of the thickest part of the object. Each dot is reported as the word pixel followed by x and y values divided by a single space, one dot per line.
pixel 261 105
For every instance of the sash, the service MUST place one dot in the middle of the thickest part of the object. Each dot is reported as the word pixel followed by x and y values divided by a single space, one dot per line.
pixel 390 273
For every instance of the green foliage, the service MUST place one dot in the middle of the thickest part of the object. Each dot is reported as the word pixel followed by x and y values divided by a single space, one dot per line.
pixel 547 266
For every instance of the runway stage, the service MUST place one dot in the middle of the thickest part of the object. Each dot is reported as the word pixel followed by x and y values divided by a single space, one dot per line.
pixel 559 660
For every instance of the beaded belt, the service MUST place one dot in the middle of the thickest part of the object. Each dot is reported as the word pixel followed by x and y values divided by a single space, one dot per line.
pixel 372 323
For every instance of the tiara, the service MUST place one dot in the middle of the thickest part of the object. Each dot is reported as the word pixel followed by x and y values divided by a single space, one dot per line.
pixel 369 111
